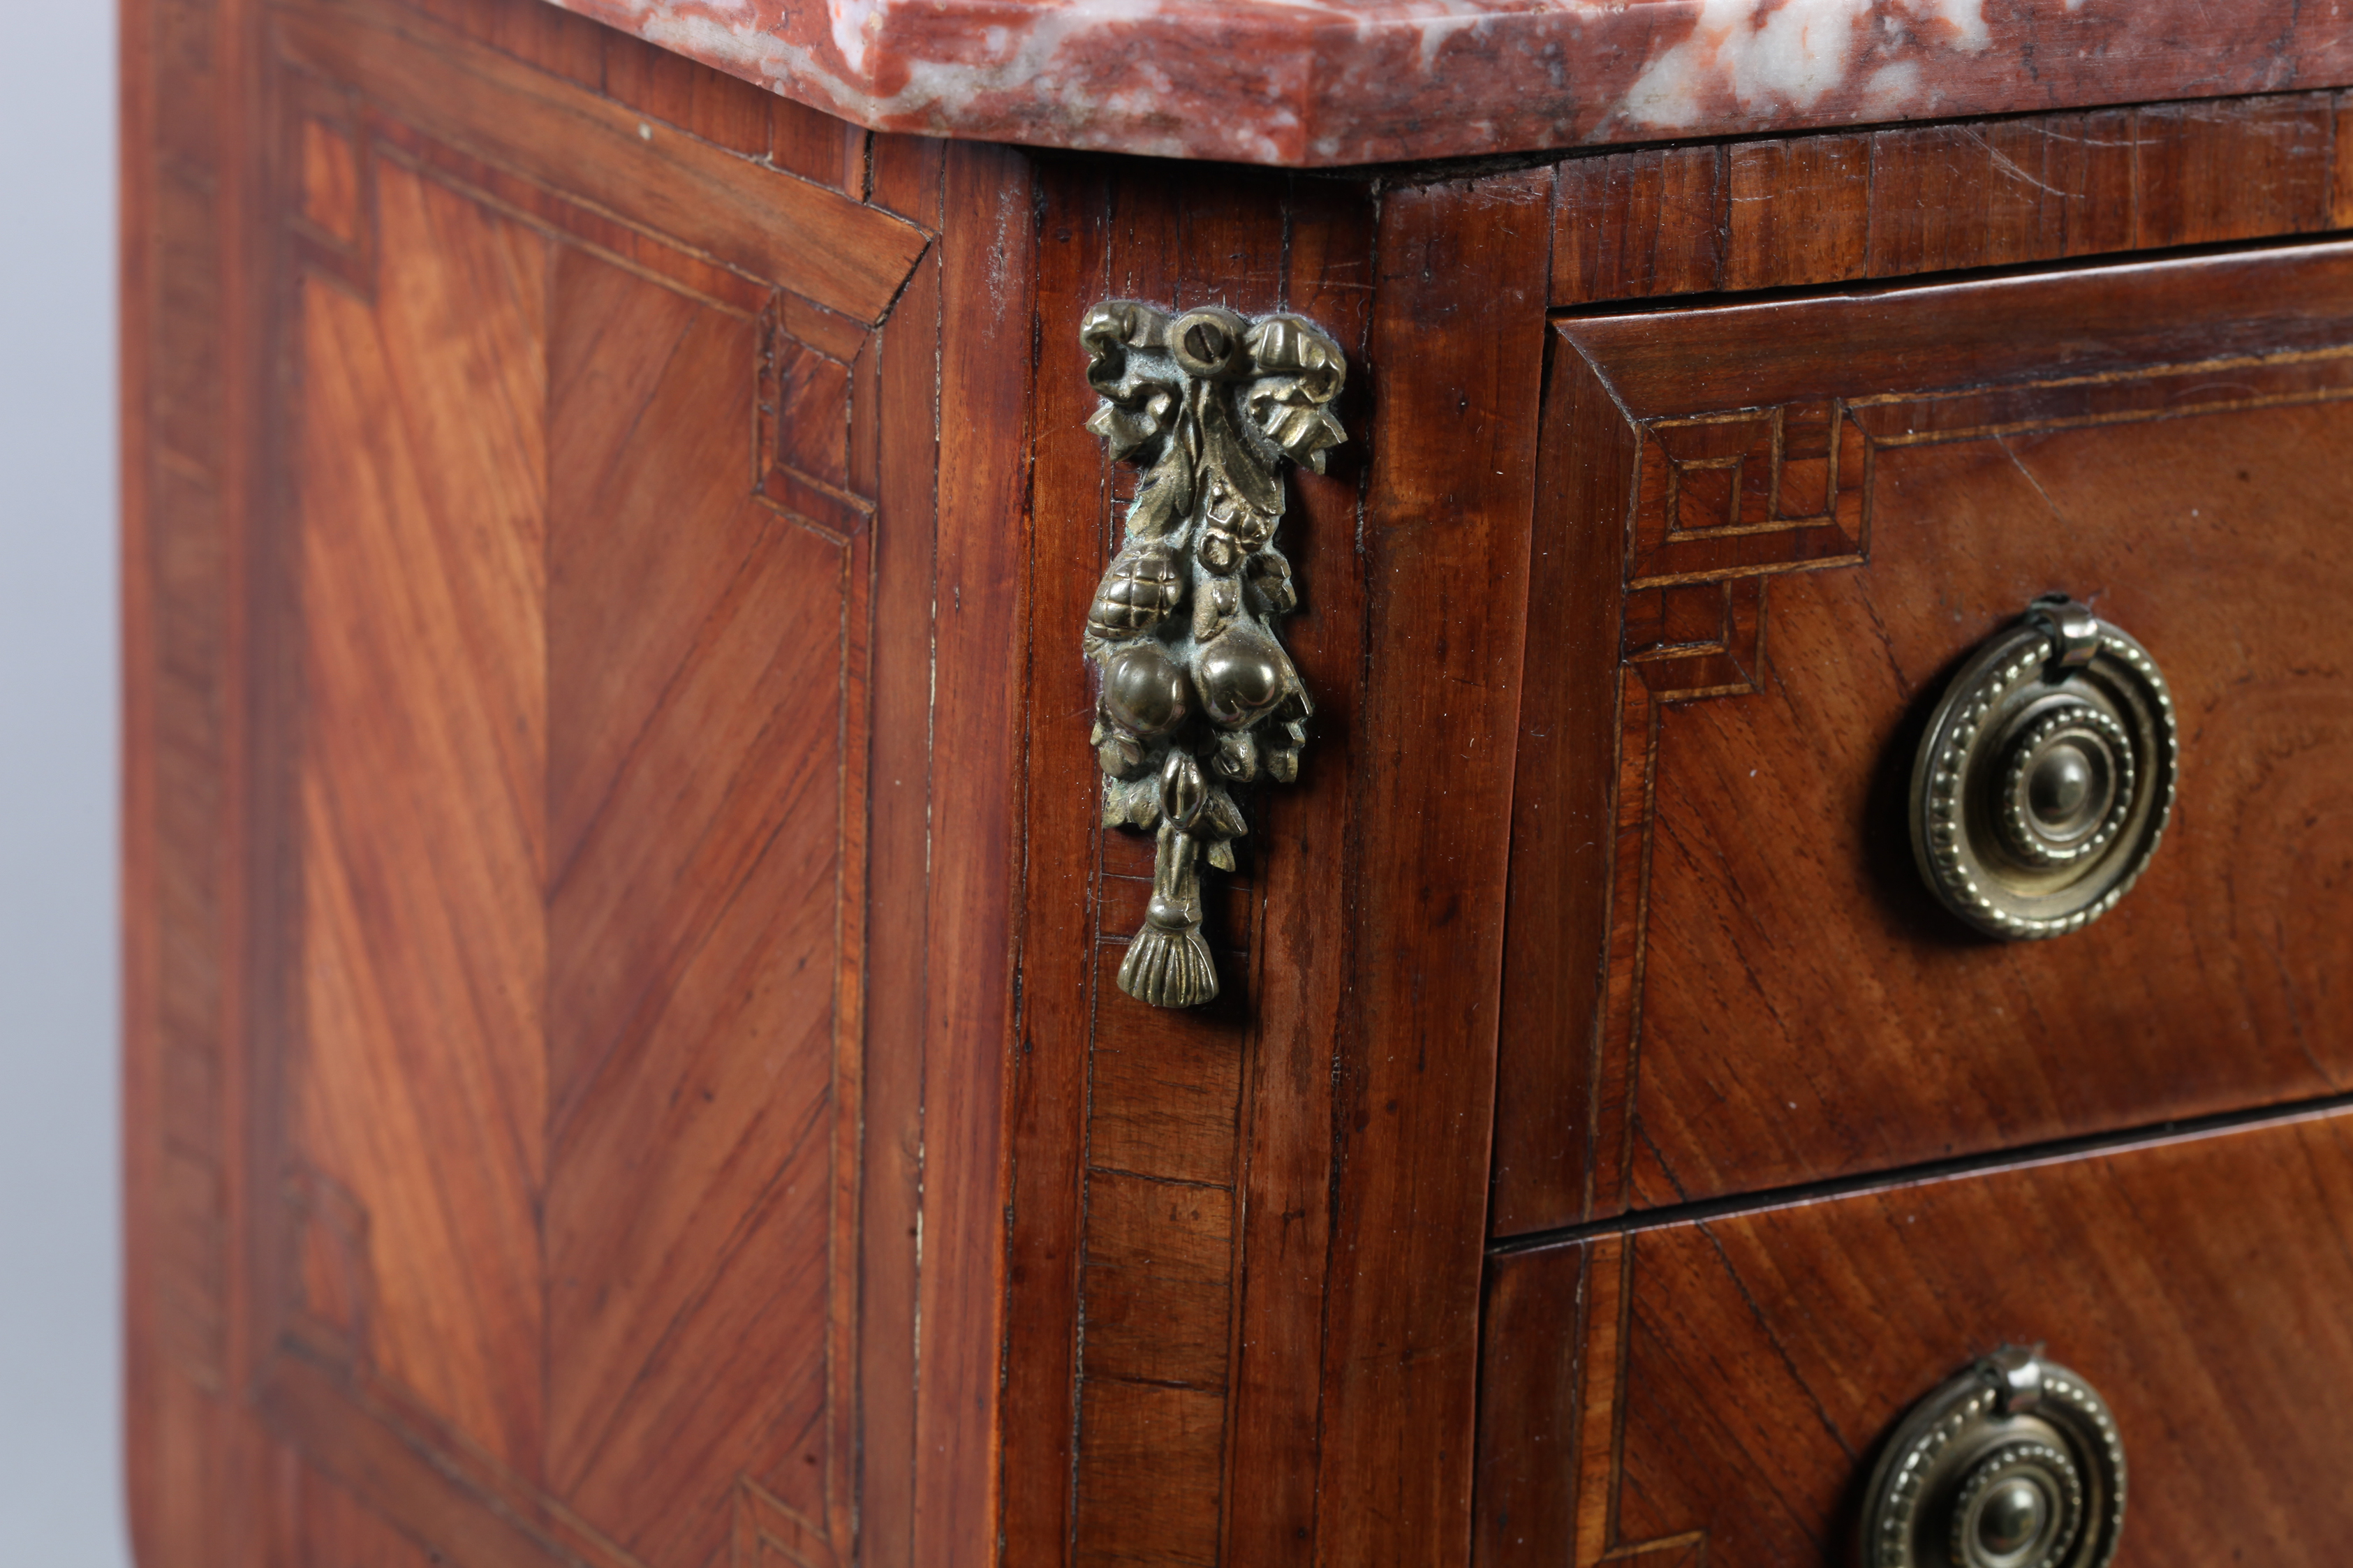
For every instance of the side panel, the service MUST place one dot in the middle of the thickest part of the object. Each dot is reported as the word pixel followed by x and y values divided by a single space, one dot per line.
pixel 571 1094
pixel 517 634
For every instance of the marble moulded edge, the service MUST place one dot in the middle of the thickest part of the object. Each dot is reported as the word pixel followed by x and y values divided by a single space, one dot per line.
pixel 1293 84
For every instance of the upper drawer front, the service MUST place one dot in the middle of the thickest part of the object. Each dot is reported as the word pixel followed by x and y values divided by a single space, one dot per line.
pixel 1772 534
pixel 1718 1393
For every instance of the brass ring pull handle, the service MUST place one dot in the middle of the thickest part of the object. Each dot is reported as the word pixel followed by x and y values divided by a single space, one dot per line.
pixel 1198 694
pixel 2043 785
pixel 2015 1464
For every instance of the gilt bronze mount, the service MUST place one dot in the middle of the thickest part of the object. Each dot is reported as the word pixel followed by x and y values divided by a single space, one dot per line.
pixel 1196 693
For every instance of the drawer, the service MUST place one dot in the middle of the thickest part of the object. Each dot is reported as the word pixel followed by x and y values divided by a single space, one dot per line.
pixel 1718 1391
pixel 1771 534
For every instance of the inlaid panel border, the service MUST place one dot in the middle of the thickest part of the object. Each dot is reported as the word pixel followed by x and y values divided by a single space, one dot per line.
pixel 1670 613
pixel 1731 659
pixel 314 1383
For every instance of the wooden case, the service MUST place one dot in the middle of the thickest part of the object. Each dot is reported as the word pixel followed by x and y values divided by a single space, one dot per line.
pixel 623 1062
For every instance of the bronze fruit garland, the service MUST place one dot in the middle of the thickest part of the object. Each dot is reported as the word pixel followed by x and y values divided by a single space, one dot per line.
pixel 1196 692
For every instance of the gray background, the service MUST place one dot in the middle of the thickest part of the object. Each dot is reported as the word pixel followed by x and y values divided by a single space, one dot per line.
pixel 60 1489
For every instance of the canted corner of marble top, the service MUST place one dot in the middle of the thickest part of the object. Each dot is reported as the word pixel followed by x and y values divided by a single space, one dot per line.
pixel 1302 83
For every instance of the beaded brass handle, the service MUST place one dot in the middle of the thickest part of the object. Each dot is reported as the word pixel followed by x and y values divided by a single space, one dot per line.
pixel 1198 694
pixel 2016 1463
pixel 2043 785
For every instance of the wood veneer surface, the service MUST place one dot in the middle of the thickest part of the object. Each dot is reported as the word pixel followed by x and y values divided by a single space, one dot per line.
pixel 507 542
pixel 1778 212
pixel 1771 998
pixel 1716 1390
pixel 597 532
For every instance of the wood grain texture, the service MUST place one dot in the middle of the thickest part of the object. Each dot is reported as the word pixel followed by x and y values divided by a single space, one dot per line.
pixel 1288 1135
pixel 530 818
pixel 666 87
pixel 1047 1110
pixel 898 974
pixel 2003 192
pixel 1789 211
pixel 981 605
pixel 724 109
pixel 1189 1432
pixel 1782 1002
pixel 2206 173
pixel 531 720
pixel 1531 1411
pixel 322 1521
pixel 837 251
pixel 1192 1427
pixel 1738 1374
pixel 196 1463
pixel 425 708
pixel 1630 225
pixel 1213 1146
pixel 553 1082
pixel 1571 836
pixel 570 47
pixel 1446 530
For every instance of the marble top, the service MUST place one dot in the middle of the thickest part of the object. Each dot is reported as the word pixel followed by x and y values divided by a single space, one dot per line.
pixel 1300 82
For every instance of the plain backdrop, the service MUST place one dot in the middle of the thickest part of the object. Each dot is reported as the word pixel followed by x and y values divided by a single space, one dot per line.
pixel 60 1486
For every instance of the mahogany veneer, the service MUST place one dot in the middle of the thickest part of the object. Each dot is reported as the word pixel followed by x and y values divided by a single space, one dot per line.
pixel 1726 975
pixel 1710 1391
pixel 624 1068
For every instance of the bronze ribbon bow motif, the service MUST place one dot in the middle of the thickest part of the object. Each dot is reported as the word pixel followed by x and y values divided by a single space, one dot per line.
pixel 1197 693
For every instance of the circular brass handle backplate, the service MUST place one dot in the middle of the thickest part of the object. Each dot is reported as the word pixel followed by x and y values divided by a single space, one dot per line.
pixel 2015 1464
pixel 2045 780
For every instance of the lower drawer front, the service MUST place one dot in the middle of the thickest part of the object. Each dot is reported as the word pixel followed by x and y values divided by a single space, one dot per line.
pixel 1716 1392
